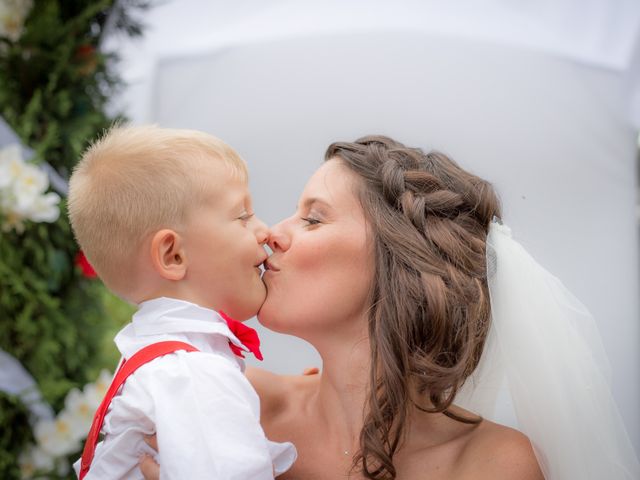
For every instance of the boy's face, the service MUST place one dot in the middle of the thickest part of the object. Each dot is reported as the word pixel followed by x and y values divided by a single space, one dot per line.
pixel 223 242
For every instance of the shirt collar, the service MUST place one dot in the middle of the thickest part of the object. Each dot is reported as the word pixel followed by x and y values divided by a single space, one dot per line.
pixel 165 315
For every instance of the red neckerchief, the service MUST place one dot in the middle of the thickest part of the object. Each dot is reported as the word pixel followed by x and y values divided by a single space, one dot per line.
pixel 247 336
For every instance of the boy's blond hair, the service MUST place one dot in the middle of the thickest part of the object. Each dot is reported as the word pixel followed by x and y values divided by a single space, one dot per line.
pixel 137 180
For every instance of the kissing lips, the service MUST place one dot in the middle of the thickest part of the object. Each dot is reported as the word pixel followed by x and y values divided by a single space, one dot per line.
pixel 260 266
pixel 268 265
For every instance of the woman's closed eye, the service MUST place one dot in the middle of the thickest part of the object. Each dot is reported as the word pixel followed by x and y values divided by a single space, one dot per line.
pixel 311 221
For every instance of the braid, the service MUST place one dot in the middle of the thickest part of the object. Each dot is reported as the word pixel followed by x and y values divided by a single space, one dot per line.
pixel 430 308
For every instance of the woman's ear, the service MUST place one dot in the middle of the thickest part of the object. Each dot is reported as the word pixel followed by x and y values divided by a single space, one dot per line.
pixel 168 257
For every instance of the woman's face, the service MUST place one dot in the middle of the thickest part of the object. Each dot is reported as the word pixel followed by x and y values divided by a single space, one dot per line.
pixel 322 264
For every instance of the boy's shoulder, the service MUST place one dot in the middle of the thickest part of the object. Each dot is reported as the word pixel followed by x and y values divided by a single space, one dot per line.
pixel 204 368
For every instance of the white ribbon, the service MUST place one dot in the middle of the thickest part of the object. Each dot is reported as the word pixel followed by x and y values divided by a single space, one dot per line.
pixel 16 380
pixel 8 137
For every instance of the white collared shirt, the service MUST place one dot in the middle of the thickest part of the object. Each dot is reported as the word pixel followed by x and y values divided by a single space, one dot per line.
pixel 204 410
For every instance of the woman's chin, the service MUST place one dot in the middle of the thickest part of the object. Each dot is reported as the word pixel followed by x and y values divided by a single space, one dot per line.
pixel 269 318
pixel 264 316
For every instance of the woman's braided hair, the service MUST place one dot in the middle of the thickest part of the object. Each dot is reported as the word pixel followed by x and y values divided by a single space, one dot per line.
pixel 429 314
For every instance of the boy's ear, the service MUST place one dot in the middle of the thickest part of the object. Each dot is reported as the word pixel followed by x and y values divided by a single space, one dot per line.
pixel 167 255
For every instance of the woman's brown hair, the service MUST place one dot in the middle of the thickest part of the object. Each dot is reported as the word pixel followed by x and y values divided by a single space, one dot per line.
pixel 429 314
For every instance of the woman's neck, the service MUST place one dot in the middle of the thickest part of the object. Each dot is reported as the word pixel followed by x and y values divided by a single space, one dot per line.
pixel 342 396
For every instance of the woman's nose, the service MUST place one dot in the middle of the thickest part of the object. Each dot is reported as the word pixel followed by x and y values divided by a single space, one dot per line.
pixel 279 240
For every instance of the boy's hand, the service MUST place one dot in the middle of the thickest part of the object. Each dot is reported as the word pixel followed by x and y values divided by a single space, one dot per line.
pixel 311 371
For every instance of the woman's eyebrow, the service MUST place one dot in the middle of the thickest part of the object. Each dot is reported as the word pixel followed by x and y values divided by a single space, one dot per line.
pixel 313 200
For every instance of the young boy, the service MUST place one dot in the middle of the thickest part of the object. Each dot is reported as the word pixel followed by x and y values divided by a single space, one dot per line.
pixel 165 218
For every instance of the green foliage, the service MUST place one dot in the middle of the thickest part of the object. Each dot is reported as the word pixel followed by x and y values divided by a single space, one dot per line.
pixel 53 317
pixel 54 85
pixel 54 80
pixel 12 440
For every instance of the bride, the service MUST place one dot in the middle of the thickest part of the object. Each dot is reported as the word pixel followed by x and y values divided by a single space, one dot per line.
pixel 396 267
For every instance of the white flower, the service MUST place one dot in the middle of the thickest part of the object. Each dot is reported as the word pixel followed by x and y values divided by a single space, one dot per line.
pixel 56 437
pixel 12 16
pixel 21 202
pixel 92 396
pixel 95 392
pixel 64 434
pixel 80 412
pixel 10 164
pixel 22 191
pixel 30 180
pixel 12 222
pixel 44 208
pixel 103 382
pixel 34 459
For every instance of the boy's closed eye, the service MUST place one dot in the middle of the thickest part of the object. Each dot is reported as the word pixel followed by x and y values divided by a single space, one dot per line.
pixel 246 216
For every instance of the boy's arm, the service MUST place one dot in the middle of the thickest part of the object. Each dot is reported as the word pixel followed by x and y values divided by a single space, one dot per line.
pixel 129 418
pixel 207 419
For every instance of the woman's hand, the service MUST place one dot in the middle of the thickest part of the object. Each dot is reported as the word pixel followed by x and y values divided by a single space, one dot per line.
pixel 148 466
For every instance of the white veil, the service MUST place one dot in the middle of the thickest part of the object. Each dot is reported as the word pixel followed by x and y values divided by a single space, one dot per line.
pixel 544 343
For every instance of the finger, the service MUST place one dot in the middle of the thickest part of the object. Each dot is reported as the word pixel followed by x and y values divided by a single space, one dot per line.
pixel 311 371
pixel 152 441
pixel 149 468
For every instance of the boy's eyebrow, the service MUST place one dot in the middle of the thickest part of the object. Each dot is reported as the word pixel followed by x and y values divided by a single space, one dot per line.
pixel 239 207
pixel 243 202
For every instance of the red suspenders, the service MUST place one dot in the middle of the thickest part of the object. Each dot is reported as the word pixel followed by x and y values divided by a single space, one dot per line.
pixel 127 368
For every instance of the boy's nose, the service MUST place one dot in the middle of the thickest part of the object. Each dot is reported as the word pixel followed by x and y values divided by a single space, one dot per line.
pixel 262 232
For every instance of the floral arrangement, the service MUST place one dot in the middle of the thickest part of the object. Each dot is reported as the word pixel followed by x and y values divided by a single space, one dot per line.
pixel 23 192
pixel 64 435
pixel 12 16
pixel 57 319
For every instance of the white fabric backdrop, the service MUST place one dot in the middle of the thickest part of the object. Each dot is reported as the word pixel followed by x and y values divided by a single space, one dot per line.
pixel 537 99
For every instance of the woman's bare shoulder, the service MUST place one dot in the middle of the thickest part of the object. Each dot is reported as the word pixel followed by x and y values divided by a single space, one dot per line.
pixel 498 452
